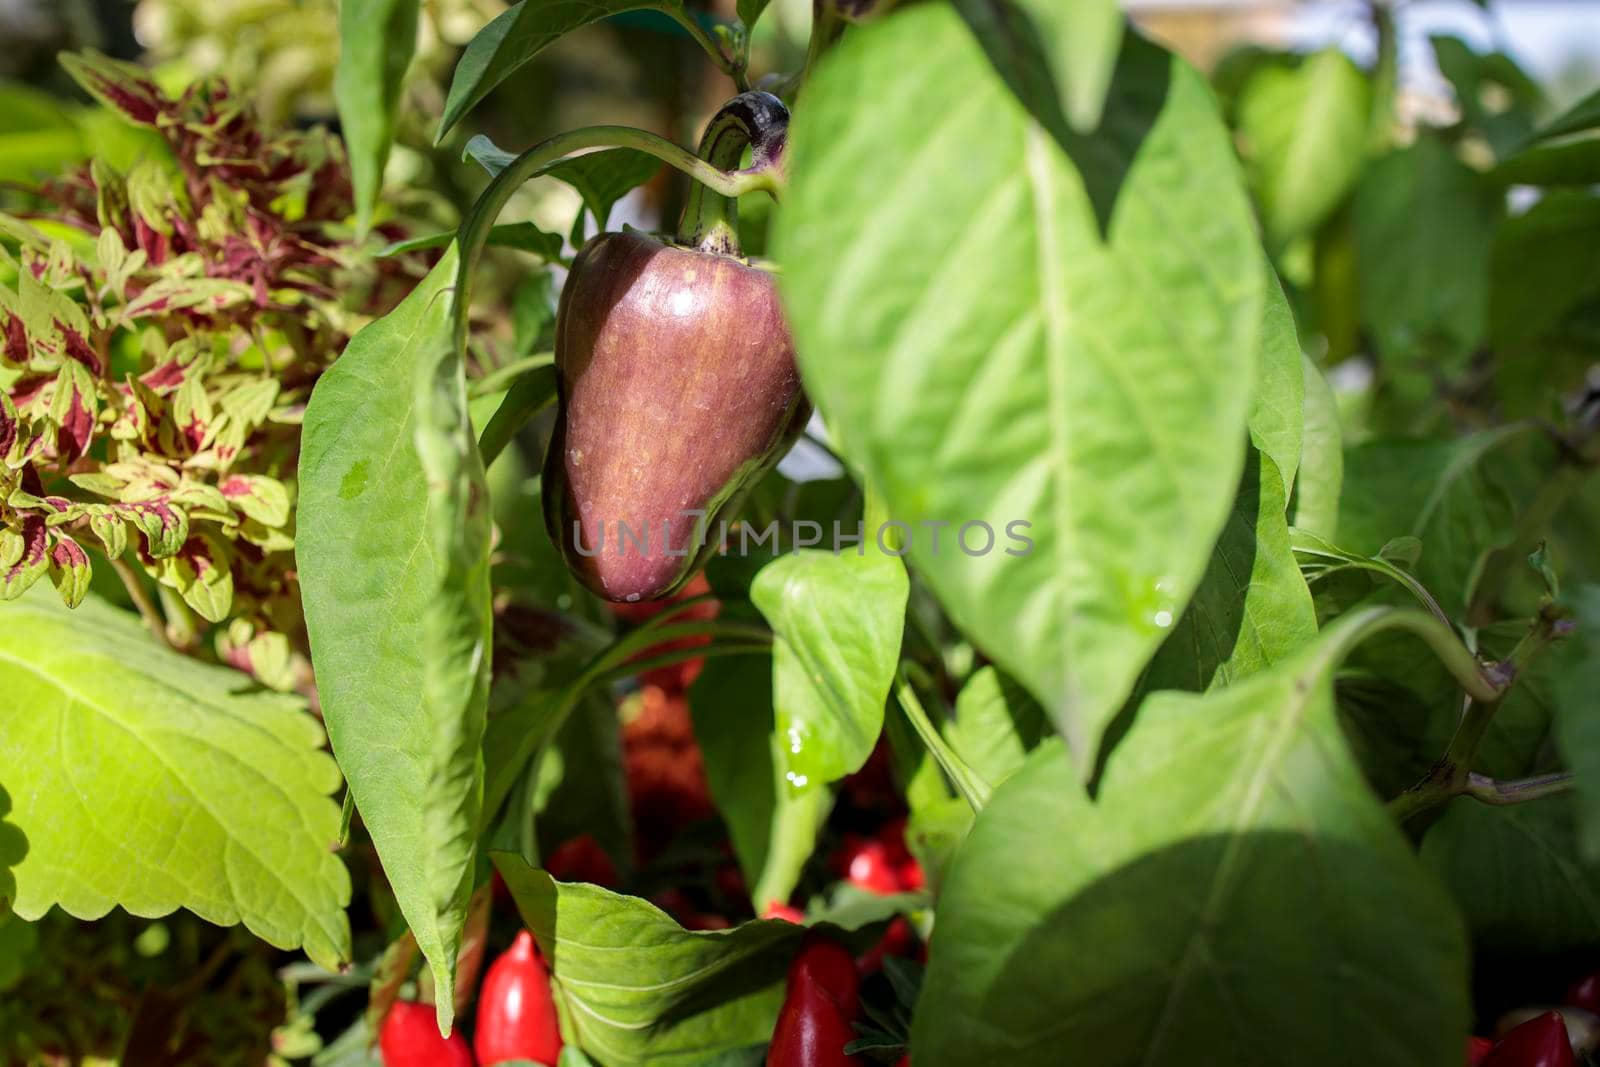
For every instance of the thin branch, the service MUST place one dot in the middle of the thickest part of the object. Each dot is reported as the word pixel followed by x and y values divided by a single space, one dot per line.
pixel 141 600
pixel 1517 790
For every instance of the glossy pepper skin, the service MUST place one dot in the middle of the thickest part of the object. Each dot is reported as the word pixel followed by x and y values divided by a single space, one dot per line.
pixel 819 1004
pixel 410 1037
pixel 678 389
pixel 516 1009
pixel 1539 1042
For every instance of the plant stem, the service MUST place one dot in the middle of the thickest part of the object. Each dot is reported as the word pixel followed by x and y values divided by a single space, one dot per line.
pixel 1558 487
pixel 1451 775
pixel 968 782
pixel 1518 790
pixel 141 600
pixel 732 66
pixel 475 228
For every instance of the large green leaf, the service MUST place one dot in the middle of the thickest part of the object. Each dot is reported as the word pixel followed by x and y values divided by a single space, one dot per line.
pixel 1319 482
pixel 145 779
pixel 836 621
pixel 1424 222
pixel 1576 676
pixel 1479 76
pixel 13 849
pixel 1517 875
pixel 986 358
pixel 635 987
pixel 1303 128
pixel 376 41
pixel 1252 608
pixel 392 550
pixel 773 826
pixel 513 38
pixel 1234 887
pixel 1436 491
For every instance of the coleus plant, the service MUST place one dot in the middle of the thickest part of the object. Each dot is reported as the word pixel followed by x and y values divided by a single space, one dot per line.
pixel 162 331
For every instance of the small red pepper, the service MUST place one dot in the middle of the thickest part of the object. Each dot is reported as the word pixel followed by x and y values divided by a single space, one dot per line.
pixel 581 859
pixel 1539 1042
pixel 516 1009
pixel 1585 993
pixel 777 909
pixel 410 1037
pixel 898 940
pixel 819 1004
pixel 871 868
pixel 1477 1049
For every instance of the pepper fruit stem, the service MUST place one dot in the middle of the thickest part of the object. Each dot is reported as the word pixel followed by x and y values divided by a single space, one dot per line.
pixel 757 120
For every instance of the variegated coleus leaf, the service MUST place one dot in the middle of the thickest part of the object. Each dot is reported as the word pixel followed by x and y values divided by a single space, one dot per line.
pixel 200 572
pixel 24 555
pixel 258 497
pixel 69 568
pixel 122 87
pixel 74 407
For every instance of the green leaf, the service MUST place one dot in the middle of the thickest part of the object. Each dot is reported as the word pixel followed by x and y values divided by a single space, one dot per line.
pixel 394 577
pixel 1564 163
pixel 1517 876
pixel 528 395
pixel 1579 118
pixel 1320 479
pixel 1231 843
pixel 601 178
pixel 1278 402
pixel 1424 223
pixel 1576 691
pixel 1057 58
pixel 146 779
pixel 750 10
pixel 376 41
pixel 1545 262
pixel 589 795
pixel 1302 128
pixel 38 135
pixel 1476 76
pixel 523 236
pixel 996 725
pixel 513 38
pixel 986 358
pixel 1252 609
pixel 837 621
pixel 636 988
pixel 773 826
pixel 1436 491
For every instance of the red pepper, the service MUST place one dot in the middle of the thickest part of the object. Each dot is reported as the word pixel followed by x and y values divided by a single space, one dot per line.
pixel 819 1004
pixel 581 859
pixel 516 1009
pixel 1539 1042
pixel 898 940
pixel 410 1037
pixel 1477 1049
pixel 871 868
pixel 777 909
pixel 1585 993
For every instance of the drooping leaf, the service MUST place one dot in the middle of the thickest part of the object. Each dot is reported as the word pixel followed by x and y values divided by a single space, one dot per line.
pixel 1320 479
pixel 1232 839
pixel 147 780
pixel 773 826
pixel 1278 402
pixel 1252 609
pixel 513 38
pixel 528 395
pixel 1516 874
pixel 635 988
pixel 394 581
pixel 600 178
pixel 1435 491
pixel 987 359
pixel 1576 691
pixel 523 236
pixel 836 622
pixel 376 41
pixel 1303 129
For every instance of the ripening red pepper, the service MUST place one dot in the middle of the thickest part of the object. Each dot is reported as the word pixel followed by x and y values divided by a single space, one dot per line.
pixel 777 909
pixel 871 868
pixel 516 1009
pixel 581 859
pixel 410 1037
pixel 819 1004
pixel 1585 993
pixel 1539 1042
pixel 1478 1048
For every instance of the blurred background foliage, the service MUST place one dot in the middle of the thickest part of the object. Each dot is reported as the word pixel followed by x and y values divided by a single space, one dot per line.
pixel 1442 260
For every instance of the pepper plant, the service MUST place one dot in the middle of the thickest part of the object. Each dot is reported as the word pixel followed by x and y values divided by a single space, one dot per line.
pixel 1203 545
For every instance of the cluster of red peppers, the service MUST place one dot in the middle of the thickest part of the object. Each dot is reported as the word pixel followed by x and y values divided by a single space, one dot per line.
pixel 1550 1038
pixel 516 1020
